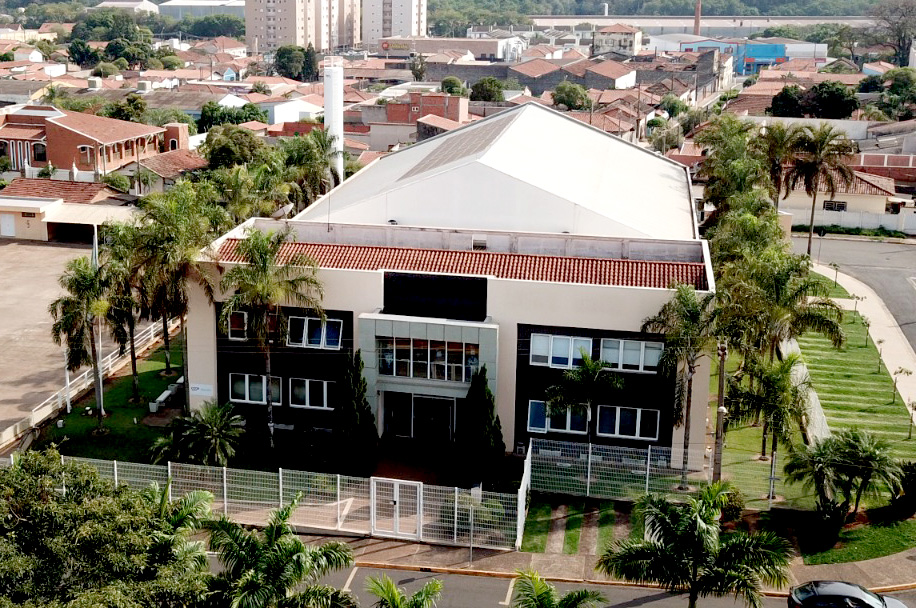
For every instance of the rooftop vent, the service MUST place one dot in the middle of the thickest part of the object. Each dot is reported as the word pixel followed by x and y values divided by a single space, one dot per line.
pixel 479 242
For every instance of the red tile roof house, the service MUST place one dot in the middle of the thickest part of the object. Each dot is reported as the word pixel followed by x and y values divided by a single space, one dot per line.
pixel 82 147
pixel 431 283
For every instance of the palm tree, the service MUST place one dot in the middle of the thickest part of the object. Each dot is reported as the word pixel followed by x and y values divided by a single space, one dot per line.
pixel 532 591
pixel 261 286
pixel 685 551
pixel 120 257
pixel 391 596
pixel 686 320
pixel 581 388
pixel 184 517
pixel 273 568
pixel 865 461
pixel 820 164
pixel 209 436
pixel 75 315
pixel 777 144
pixel 814 467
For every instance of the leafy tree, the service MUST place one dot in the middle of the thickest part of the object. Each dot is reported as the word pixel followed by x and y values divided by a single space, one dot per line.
pixel 901 81
pixel 487 89
pixel 685 551
pixel 896 25
pixel 261 286
pixel 260 87
pixel 172 62
pixel 686 321
pixel 452 86
pixel 94 544
pixel 776 144
pixel 484 435
pixel 273 567
pixel 208 436
pixel 289 61
pixel 693 118
pixel 787 103
pixel 820 162
pixel 573 96
pixel 211 26
pixel 310 64
pixel 354 421
pixel 121 64
pixel 7 56
pixel 75 317
pixel 259 191
pixel 310 163
pixel 105 69
pixel 134 52
pixel 160 117
pixel 418 68
pixel 532 591
pixel 667 137
pixel 229 145
pixel 672 105
pixel 119 256
pixel 153 63
pixel 213 114
pixel 582 388
pixel 131 108
pixel 830 99
pixel 391 596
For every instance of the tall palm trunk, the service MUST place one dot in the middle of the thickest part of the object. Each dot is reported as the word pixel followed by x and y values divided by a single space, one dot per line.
pixel 165 343
pixel 859 491
pixel 184 365
pixel 270 401
pixel 131 332
pixel 763 442
pixel 686 455
pixel 96 372
pixel 811 227
pixel 773 459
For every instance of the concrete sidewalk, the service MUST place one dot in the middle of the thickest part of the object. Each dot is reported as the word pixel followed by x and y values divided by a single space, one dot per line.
pixel 896 351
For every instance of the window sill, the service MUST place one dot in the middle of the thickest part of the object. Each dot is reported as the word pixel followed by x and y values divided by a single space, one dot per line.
pixel 311 407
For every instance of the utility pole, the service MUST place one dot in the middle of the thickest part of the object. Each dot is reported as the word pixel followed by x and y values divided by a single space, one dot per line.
pixel 722 351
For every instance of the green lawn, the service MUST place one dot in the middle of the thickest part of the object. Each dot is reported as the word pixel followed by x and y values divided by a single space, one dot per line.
pixel 835 289
pixel 606 518
pixel 127 439
pixel 867 542
pixel 855 391
pixel 537 526
pixel 574 516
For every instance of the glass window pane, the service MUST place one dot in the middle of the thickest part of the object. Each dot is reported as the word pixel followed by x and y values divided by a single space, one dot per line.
pixel 648 424
pixel 420 358
pixel 314 332
pixel 329 395
pixel 437 359
pixel 578 421
pixel 296 330
pixel 607 420
pixel 385 348
pixel 610 352
pixel 316 393
pixel 631 354
pixel 332 331
pixel 455 354
pixel 651 356
pixel 537 416
pixel 256 389
pixel 559 351
pixel 237 387
pixel 471 360
pixel 237 325
pixel 402 357
pixel 275 390
pixel 627 422
pixel 297 392
pixel 580 345
pixel 558 421
pixel 540 349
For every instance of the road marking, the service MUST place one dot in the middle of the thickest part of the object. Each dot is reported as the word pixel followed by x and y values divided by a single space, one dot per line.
pixel 509 593
pixel 346 587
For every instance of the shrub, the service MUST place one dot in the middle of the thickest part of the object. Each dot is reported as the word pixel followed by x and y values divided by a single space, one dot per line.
pixel 105 69
pixel 117 181
pixel 5 163
pixel 47 171
pixel 121 64
pixel 733 507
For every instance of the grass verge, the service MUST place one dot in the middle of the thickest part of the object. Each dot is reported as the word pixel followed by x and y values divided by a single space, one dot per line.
pixel 537 526
pixel 866 542
pixel 574 517
pixel 606 519
pixel 834 289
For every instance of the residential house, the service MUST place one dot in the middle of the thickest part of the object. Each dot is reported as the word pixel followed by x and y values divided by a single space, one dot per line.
pixel 877 68
pixel 432 288
pixel 618 38
pixel 136 6
pixel 866 192
pixel 21 91
pixel 169 167
pixel 28 53
pixel 222 44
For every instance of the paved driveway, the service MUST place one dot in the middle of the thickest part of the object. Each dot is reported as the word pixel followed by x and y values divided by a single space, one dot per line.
pixel 888 268
pixel 31 365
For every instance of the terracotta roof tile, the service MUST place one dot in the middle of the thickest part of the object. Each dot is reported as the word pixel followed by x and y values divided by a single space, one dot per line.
pixel 610 69
pixel 70 192
pixel 593 271
pixel 170 165
pixel 104 130
pixel 535 68
pixel 618 28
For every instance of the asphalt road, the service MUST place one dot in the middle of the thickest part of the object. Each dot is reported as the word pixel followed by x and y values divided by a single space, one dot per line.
pixel 464 591
pixel 888 268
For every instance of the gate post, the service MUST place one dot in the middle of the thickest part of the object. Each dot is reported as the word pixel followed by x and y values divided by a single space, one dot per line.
pixel 456 515
pixel 169 468
pixel 115 470
pixel 588 472
pixel 225 494
pixel 648 467
pixel 339 523
pixel 280 484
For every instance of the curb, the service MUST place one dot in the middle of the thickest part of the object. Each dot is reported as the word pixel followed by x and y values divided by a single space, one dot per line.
pixel 560 579
pixel 858 238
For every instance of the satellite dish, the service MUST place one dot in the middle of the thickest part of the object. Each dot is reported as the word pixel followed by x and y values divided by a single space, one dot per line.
pixel 282 212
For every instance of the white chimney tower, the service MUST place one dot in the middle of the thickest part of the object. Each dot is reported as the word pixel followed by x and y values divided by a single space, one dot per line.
pixel 333 107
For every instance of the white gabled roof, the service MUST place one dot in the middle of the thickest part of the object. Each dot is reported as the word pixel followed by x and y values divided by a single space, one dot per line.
pixel 526 169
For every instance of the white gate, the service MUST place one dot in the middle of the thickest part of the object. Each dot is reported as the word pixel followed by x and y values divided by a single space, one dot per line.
pixel 7 224
pixel 397 508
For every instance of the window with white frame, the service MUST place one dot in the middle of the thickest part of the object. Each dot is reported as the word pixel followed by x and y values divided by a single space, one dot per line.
pixel 311 394
pixel 312 332
pixel 564 352
pixel 537 417
pixel 569 421
pixel 631 355
pixel 238 326
pixel 628 422
pixel 834 206
pixel 251 388
pixel 427 359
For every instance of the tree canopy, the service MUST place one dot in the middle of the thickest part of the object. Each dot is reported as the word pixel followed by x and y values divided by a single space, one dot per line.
pixel 487 89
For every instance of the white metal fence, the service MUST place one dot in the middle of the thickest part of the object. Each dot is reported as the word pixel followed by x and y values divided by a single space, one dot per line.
pixel 903 222
pixel 51 406
pixel 381 507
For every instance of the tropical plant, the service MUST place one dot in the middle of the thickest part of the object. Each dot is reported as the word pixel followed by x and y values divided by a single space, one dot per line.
pixel 273 568
pixel 732 168
pixel 76 315
pixel 532 591
pixel 483 438
pixel 354 421
pixel 209 436
pixel 261 87
pixel 583 387
pixel 391 596
pixel 820 165
pixel 685 551
pixel 686 321
pixel 865 463
pixel 260 286
pixel 183 517
pixel 776 144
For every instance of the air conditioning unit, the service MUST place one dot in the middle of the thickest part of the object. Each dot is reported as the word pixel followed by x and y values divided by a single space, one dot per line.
pixel 521 449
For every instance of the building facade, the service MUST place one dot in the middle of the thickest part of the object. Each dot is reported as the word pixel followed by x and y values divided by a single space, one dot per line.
pixel 475 249
pixel 328 25
pixel 617 38
pixel 384 18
